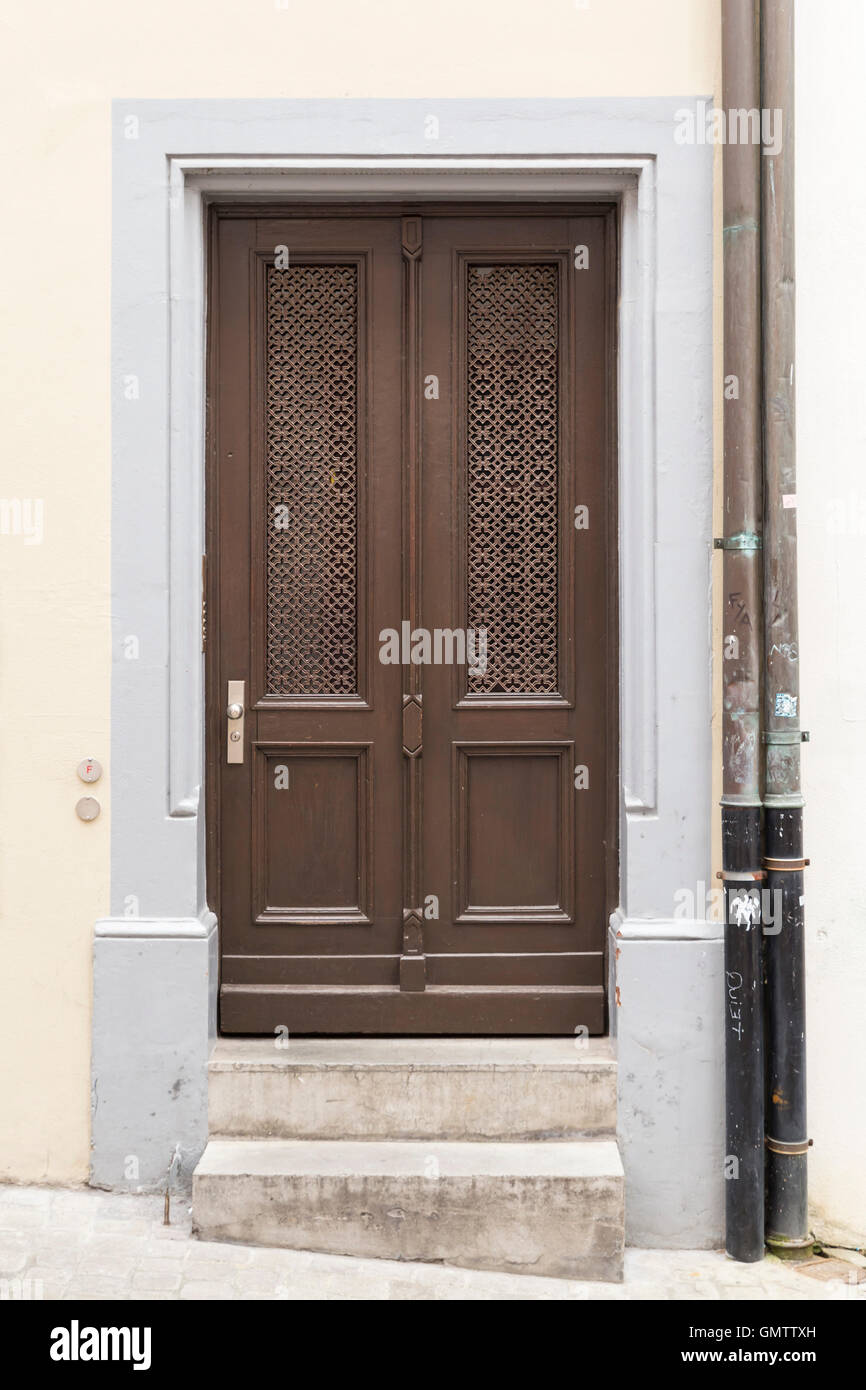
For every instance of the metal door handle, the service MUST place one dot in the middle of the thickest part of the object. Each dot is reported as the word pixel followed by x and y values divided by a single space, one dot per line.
pixel 235 715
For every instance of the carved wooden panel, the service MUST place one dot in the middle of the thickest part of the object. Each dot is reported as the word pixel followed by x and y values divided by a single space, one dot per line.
pixel 311 439
pixel 512 474
pixel 311 852
pixel 525 872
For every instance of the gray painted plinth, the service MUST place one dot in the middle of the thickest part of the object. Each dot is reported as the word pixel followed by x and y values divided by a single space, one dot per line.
pixel 668 1010
pixel 154 1010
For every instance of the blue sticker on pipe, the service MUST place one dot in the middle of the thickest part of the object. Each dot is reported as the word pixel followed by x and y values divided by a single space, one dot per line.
pixel 786 705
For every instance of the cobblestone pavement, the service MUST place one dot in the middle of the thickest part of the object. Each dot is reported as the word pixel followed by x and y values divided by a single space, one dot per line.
pixel 80 1244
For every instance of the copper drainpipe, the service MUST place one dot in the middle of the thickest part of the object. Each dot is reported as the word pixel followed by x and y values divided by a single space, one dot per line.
pixel 742 639
pixel 787 1229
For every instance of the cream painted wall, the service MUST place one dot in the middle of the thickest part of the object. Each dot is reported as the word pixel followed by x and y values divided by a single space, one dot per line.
pixel 63 65
pixel 831 448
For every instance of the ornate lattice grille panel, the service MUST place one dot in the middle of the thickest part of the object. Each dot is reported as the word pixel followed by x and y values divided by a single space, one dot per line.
pixel 512 445
pixel 312 479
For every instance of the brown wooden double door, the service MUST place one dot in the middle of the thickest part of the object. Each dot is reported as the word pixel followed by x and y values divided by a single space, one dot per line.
pixel 411 556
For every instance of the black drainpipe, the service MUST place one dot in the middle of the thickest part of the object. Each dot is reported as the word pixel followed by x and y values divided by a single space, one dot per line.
pixel 785 1014
pixel 742 638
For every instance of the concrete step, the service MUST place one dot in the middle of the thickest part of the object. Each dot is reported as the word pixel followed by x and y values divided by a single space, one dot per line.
pixel 551 1208
pixel 412 1088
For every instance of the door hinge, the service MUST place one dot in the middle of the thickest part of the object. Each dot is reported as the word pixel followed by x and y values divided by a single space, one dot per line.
pixel 204 602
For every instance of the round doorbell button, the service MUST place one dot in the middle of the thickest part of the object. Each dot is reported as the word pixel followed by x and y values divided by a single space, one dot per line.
pixel 87 808
pixel 90 770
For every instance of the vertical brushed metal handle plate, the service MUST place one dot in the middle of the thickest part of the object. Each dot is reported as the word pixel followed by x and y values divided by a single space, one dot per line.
pixel 235 722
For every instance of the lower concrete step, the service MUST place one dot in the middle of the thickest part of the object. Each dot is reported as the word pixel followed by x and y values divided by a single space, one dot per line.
pixel 412 1088
pixel 552 1208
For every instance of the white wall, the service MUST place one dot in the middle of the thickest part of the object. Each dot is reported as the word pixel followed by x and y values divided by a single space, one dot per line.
pixel 831 446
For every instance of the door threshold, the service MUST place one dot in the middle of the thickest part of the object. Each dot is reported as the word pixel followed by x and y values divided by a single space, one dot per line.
pixel 548 1010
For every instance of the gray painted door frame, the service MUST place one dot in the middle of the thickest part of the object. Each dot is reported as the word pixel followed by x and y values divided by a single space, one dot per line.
pixel 155 954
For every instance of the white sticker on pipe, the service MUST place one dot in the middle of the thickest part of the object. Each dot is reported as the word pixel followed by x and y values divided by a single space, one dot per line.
pixel 789 499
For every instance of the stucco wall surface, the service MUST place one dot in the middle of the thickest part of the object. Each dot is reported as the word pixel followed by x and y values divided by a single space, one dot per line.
pixel 62 68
